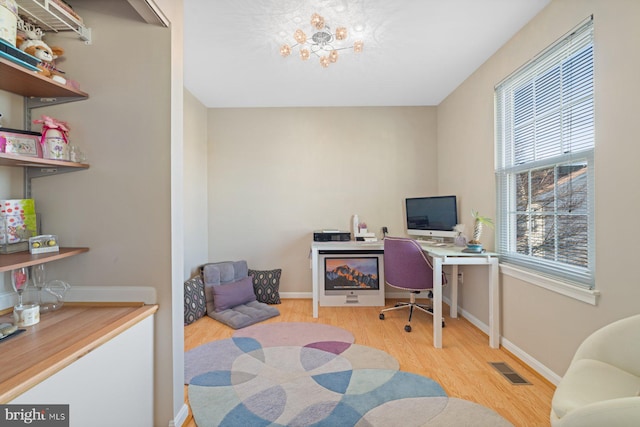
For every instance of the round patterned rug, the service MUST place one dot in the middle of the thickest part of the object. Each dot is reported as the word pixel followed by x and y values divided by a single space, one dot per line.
pixel 303 374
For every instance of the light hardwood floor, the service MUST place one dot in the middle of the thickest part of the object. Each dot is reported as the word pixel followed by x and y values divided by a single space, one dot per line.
pixel 461 367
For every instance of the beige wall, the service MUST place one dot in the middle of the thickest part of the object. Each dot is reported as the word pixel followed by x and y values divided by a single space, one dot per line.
pixel 121 207
pixel 546 325
pixel 169 373
pixel 275 175
pixel 196 250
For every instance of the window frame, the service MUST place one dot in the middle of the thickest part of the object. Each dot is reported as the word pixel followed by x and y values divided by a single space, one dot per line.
pixel 573 281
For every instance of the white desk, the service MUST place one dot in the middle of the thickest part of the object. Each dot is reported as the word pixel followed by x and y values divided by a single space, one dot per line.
pixel 452 256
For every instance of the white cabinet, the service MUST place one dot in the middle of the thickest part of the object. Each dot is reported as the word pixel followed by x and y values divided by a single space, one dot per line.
pixel 110 386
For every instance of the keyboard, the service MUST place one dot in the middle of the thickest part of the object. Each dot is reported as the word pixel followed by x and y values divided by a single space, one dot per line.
pixel 437 244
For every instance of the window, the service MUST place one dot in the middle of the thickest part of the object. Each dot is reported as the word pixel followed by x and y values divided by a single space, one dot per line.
pixel 545 139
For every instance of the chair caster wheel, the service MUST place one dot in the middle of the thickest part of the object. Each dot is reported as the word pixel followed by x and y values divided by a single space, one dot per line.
pixel 407 328
pixel 381 316
pixel 443 324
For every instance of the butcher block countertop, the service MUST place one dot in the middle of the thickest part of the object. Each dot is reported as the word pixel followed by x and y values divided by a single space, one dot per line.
pixel 61 338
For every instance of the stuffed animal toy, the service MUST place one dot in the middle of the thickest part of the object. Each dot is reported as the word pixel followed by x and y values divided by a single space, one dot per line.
pixel 44 53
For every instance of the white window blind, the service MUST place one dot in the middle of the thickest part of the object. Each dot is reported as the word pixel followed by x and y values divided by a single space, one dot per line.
pixel 545 140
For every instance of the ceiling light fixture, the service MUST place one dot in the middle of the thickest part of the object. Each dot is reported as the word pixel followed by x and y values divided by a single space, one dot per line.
pixel 321 42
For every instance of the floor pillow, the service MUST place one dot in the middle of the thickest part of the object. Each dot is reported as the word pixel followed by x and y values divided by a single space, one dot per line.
pixel 195 305
pixel 244 315
pixel 266 285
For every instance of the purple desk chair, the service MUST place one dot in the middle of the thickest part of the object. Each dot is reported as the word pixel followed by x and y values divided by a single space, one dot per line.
pixel 407 267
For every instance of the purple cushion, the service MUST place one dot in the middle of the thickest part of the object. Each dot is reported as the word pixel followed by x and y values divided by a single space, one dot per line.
pixel 229 295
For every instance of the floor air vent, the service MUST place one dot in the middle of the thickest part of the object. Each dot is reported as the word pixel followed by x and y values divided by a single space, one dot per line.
pixel 512 376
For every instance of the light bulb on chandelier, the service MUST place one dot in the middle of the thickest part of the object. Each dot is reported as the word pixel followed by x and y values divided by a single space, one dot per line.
pixel 321 43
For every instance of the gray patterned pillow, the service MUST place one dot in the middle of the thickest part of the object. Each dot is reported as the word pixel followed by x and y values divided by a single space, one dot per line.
pixel 266 285
pixel 195 305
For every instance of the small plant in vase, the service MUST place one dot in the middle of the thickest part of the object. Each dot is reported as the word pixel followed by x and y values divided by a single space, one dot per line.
pixel 479 222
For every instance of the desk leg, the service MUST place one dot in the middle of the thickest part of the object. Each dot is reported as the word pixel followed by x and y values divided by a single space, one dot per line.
pixel 437 302
pixel 453 312
pixel 494 304
pixel 315 270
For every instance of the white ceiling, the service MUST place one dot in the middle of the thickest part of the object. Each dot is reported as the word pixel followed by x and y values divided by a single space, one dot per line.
pixel 416 52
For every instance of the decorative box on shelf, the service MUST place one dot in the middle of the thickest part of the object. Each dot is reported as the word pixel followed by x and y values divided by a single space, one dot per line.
pixel 22 142
pixel 43 244
pixel 17 224
pixel 8 20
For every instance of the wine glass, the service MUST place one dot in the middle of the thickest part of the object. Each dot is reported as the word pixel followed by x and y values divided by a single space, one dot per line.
pixel 19 281
pixel 58 289
pixel 39 278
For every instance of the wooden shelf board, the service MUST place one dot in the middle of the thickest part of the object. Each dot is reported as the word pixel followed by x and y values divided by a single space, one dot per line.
pixel 7 159
pixel 25 259
pixel 19 80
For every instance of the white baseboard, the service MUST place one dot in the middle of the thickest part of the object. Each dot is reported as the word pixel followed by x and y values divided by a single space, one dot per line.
pixel 181 417
pixel 547 373
pixel 405 295
pixel 8 299
pixel 308 295
pixel 473 320
pixel 296 295
pixel 526 358
pixel 145 294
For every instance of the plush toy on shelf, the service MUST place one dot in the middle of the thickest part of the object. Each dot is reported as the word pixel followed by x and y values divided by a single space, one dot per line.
pixel 45 53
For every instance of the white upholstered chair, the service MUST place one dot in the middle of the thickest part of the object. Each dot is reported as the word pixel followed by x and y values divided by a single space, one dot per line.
pixel 602 385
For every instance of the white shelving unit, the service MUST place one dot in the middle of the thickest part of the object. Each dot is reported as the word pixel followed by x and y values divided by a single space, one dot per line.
pixel 37 91
pixel 51 16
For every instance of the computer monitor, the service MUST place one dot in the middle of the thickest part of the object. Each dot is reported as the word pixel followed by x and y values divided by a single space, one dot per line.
pixel 351 275
pixel 434 216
